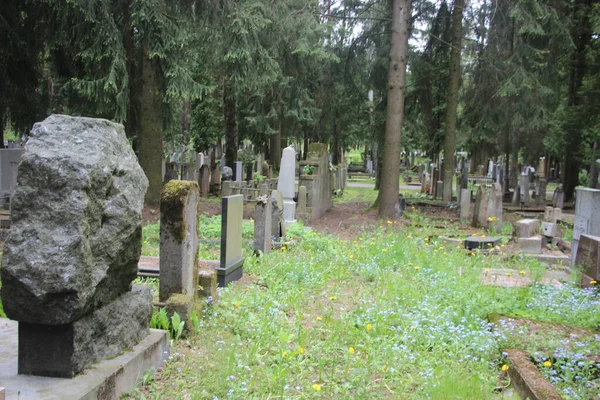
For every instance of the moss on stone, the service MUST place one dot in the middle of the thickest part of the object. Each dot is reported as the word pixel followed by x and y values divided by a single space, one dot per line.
pixel 172 206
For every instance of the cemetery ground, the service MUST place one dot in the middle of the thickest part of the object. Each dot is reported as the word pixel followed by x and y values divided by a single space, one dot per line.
pixel 364 308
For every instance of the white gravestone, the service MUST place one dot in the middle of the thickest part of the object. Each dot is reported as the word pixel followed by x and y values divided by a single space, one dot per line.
pixel 286 184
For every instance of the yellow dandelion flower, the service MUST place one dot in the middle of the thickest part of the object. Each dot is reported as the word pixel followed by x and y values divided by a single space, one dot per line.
pixel 384 368
pixel 301 350
pixel 237 303
pixel 351 256
pixel 473 254
pixel 361 239
pixel 409 263
pixel 435 251
pixel 502 245
pixel 441 247
pixel 426 239
pixel 487 271
pixel 505 367
pixel 283 248
pixel 355 242
pixel 284 354
pixel 413 327
pixel 389 222
pixel 351 350
pixel 522 272
pixel 369 327
pixel 409 237
pixel 384 249
pixel 547 364
pixel 593 282
pixel 317 387
pixel 319 318
pixel 482 236
pixel 331 297
pixel 417 267
pixel 508 274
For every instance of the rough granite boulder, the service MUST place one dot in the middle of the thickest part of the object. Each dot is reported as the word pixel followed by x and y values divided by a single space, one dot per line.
pixel 76 217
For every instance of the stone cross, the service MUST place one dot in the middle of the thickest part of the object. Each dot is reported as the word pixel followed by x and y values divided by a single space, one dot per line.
pixel 286 184
pixel 230 268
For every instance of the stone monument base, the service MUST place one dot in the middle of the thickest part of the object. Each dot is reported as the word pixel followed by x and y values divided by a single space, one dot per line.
pixel 230 274
pixel 65 350
pixel 107 379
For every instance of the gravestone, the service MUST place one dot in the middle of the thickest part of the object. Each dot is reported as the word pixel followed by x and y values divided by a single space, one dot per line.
pixel 588 256
pixel 319 187
pixel 73 248
pixel 483 243
pixel 301 210
pixel 204 180
pixel 465 203
pixel 239 171
pixel 262 225
pixel 9 160
pixel 587 216
pixel 215 179
pixel 226 189
pixel 524 188
pixel 230 268
pixel 495 210
pixel 178 239
pixel 170 172
pixel 286 183
pixel 558 198
pixel 525 228
pixel 439 190
pixel 480 211
pixel 263 189
pixel 480 169
pixel 420 172
pixel 541 192
pixel 277 221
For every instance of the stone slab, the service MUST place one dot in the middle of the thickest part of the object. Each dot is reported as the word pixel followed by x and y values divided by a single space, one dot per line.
pixel 107 380
pixel 588 255
pixel 530 245
pixel 478 242
pixel 552 259
pixel 525 228
pixel 527 378
pixel 66 350
pixel 230 268
pixel 548 229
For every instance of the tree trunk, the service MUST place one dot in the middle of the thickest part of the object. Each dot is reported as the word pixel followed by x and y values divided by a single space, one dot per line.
pixel 389 206
pixel 593 183
pixel 581 36
pixel 514 159
pixel 150 140
pixel 452 99
pixel 306 144
pixel 1 126
pixel 231 133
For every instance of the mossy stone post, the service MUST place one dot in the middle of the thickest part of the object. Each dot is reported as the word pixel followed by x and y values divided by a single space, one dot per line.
pixel 230 268
pixel 178 239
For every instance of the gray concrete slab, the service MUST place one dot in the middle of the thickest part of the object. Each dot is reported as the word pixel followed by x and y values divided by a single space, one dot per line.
pixel 107 379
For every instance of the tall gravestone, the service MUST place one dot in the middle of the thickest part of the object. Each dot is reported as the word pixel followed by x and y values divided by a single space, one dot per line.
pixel 239 171
pixel 481 207
pixel 230 268
pixel 286 183
pixel 262 225
pixel 318 184
pixel 494 208
pixel 587 216
pixel 178 239
pixel 465 203
pixel 204 180
pixel 74 246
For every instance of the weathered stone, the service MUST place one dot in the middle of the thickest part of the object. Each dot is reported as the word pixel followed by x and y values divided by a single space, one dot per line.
pixel 262 225
pixel 286 183
pixel 277 221
pixel 525 228
pixel 588 255
pixel 184 306
pixel 481 207
pixel 230 268
pixel 227 174
pixel 530 245
pixel 484 243
pixel 465 203
pixel 239 171
pixel 494 209
pixel 178 239
pixel 548 229
pixel 65 350
pixel 226 188
pixel 204 181
pixel 207 283
pixel 587 216
pixel 76 218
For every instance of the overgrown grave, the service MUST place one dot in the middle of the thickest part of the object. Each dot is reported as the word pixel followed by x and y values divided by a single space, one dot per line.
pixel 544 357
pixel 70 259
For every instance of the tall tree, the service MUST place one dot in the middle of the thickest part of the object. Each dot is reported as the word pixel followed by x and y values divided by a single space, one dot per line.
pixel 389 206
pixel 452 99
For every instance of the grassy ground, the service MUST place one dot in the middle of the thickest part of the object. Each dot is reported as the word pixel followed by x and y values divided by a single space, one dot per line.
pixel 388 314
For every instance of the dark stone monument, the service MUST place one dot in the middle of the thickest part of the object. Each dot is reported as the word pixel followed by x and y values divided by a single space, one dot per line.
pixel 204 181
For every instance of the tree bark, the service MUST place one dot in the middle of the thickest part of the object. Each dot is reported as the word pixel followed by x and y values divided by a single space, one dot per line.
pixel 389 206
pixel 151 140
pixel 231 133
pixel 452 99
pixel 581 35
pixel 593 183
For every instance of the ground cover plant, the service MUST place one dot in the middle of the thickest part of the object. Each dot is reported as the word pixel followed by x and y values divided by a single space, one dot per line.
pixel 390 313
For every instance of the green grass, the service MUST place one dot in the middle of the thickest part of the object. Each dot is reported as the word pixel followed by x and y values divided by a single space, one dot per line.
pixel 388 315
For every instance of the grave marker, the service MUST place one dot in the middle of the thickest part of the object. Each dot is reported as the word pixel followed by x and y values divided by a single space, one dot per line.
pixel 204 180
pixel 588 255
pixel 230 268
pixel 286 183
pixel 262 225
pixel 587 216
